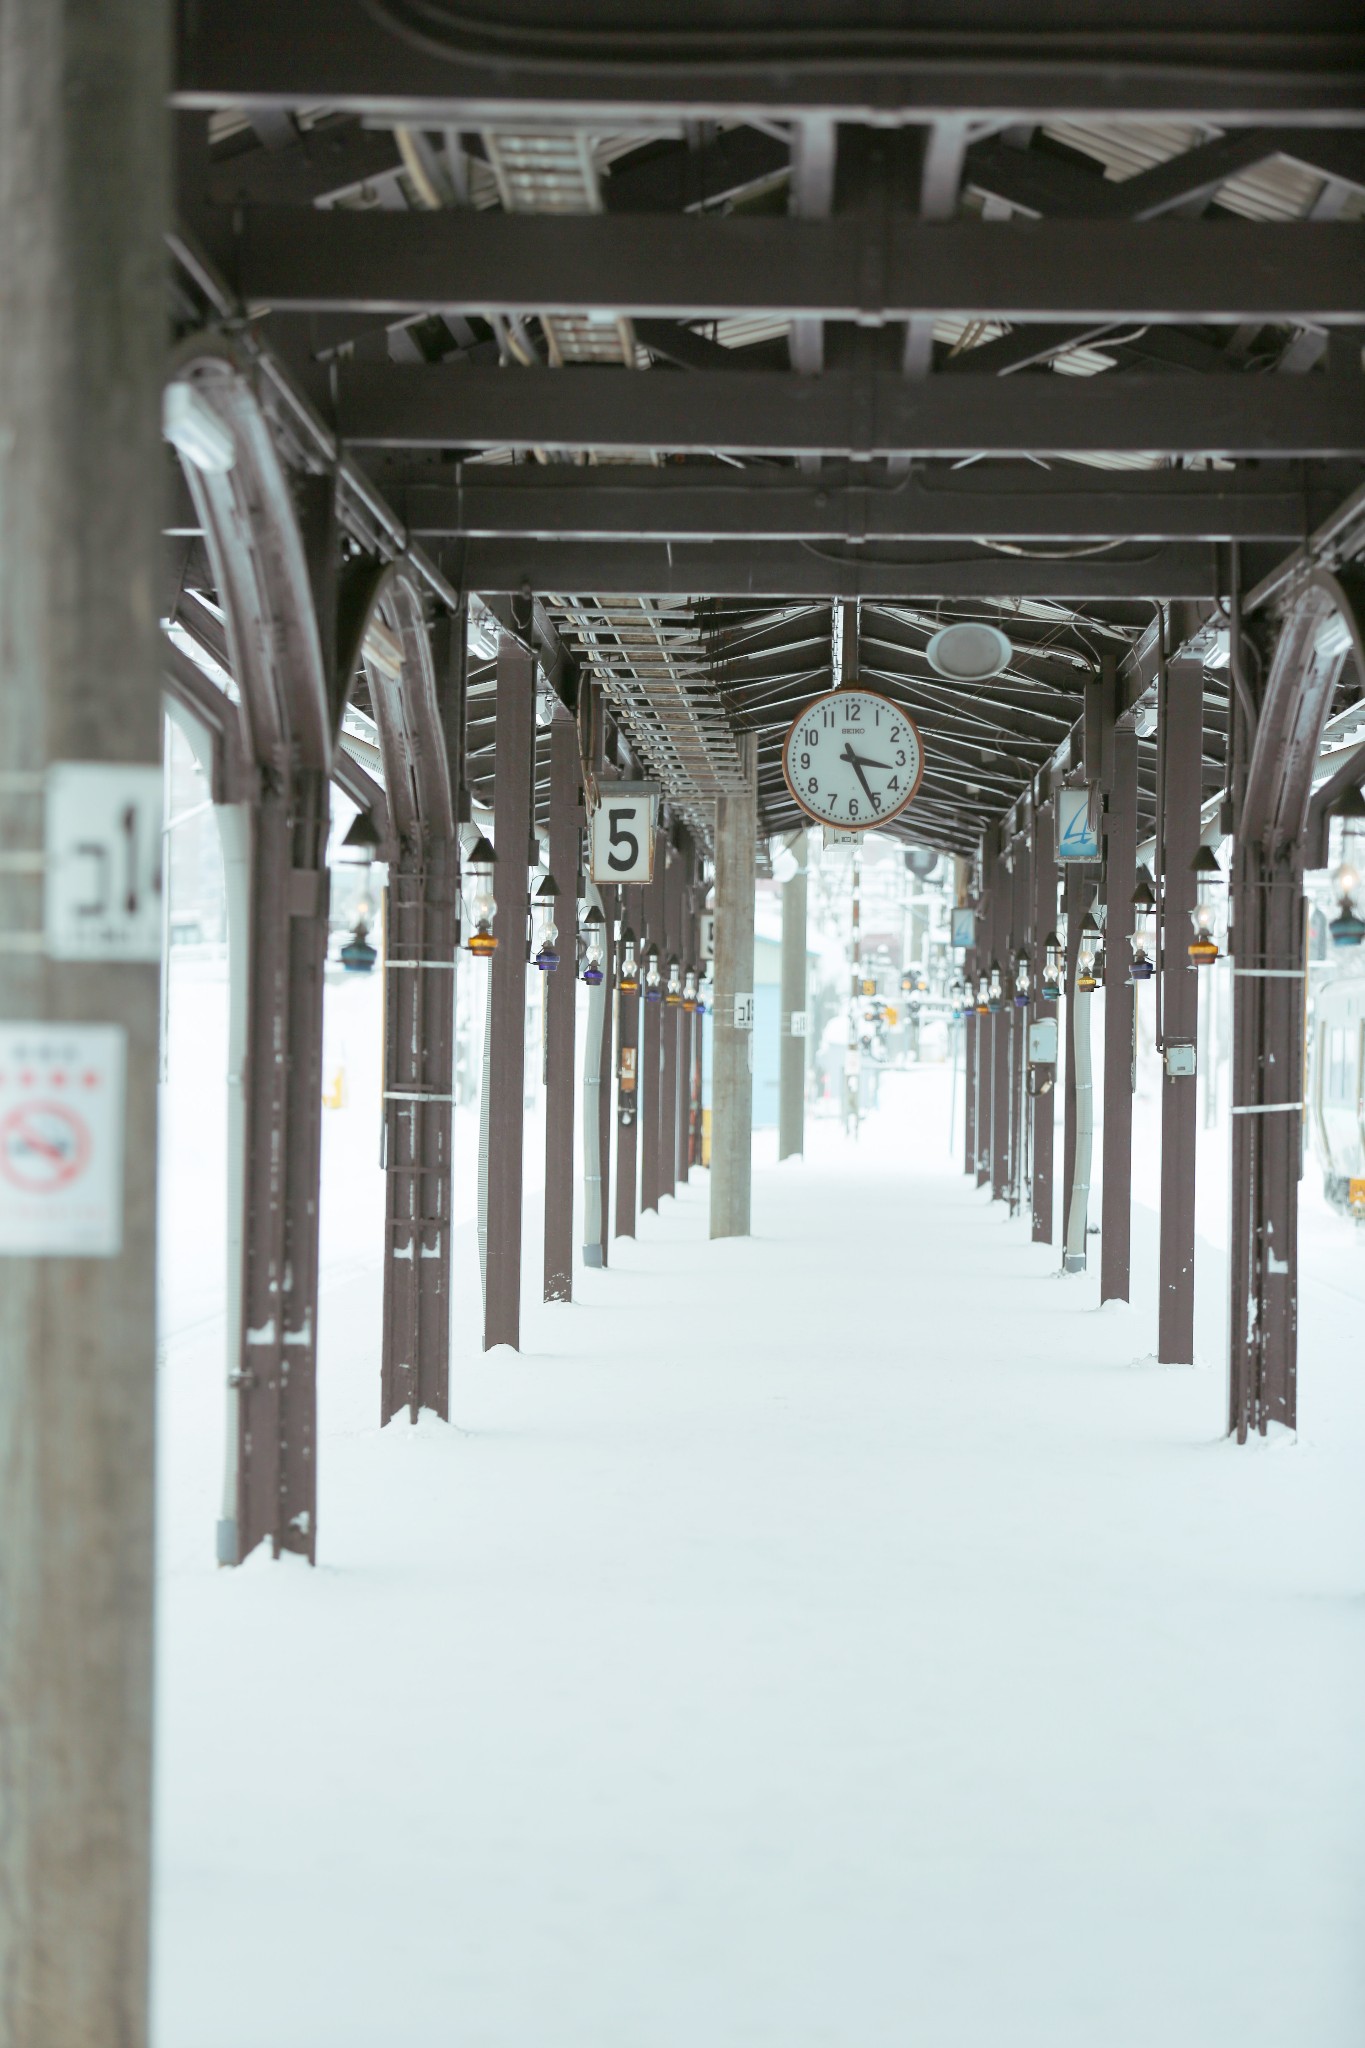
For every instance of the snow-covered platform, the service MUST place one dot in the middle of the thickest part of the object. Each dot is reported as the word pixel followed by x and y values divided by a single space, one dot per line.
pixel 844 1638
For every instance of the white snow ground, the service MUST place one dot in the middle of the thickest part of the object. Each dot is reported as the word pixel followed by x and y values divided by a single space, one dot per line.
pixel 839 1639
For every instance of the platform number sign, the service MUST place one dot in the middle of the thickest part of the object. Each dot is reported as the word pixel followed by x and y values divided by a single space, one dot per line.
pixel 853 760
pixel 102 843
pixel 623 832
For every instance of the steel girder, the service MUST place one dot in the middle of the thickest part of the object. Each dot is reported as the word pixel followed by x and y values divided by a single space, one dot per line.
pixel 868 270
pixel 279 941
pixel 847 413
pixel 408 697
pixel 706 501
pixel 1269 966
pixel 432 67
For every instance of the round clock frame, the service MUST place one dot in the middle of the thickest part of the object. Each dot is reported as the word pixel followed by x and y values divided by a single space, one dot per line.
pixel 856 824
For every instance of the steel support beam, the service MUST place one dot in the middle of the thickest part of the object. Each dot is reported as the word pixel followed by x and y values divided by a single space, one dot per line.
pixel 668 1025
pixel 419 709
pixel 791 1131
pixel 512 821
pixel 561 1000
pixel 732 1076
pixel 714 502
pixel 1000 1025
pixel 1273 813
pixel 798 570
pixel 651 1032
pixel 1181 729
pixel 629 1006
pixel 1073 898
pixel 1042 1079
pixel 1120 1044
pixel 243 53
pixel 867 269
pixel 848 412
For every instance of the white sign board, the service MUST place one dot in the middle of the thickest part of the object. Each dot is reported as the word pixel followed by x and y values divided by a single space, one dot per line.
pixel 744 1011
pixel 798 1023
pixel 622 832
pixel 103 851
pixel 707 939
pixel 61 1140
pixel 1042 1042
pixel 964 926
pixel 1077 838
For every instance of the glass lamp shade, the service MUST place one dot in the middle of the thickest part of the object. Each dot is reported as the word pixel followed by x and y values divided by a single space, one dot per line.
pixel 995 993
pixel 689 990
pixel 653 985
pixel 1205 916
pixel 629 982
pixel 673 993
pixel 1021 981
pixel 547 953
pixel 1052 968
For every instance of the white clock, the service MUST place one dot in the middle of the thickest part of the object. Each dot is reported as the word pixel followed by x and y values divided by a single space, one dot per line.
pixel 853 759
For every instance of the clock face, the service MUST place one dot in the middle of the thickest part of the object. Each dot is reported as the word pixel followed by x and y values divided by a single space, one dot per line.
pixel 853 759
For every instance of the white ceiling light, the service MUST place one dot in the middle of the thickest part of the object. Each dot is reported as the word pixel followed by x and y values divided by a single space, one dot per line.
pixel 192 427
pixel 969 652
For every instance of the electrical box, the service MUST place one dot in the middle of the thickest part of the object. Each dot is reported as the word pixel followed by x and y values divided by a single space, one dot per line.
pixel 1180 1062
pixel 1042 1042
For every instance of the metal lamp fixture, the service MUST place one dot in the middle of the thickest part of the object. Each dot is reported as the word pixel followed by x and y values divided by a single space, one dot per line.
pixel 1021 979
pixel 1144 926
pixel 1087 955
pixel 482 905
pixel 547 953
pixel 689 990
pixel 969 652
pixel 1347 927
pixel 653 985
pixel 1051 987
pixel 983 995
pixel 361 843
pixel 629 979
pixel 1203 948
pixel 995 992
pixel 593 923
pixel 673 992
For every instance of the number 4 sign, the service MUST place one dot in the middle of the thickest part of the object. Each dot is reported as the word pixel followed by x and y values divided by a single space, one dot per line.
pixel 623 832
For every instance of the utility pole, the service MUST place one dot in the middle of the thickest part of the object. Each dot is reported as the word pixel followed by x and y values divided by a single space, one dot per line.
pixel 83 189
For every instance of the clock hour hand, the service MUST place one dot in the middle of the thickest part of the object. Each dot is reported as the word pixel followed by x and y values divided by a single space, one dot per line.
pixel 857 767
pixel 849 755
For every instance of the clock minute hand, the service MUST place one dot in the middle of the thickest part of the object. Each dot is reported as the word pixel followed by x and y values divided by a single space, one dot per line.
pixel 856 765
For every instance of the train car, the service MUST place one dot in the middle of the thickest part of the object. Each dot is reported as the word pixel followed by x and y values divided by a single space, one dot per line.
pixel 1337 1081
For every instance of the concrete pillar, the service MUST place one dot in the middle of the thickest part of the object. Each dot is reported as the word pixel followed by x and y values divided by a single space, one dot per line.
pixel 82 332
pixel 732 1072
pixel 791 1106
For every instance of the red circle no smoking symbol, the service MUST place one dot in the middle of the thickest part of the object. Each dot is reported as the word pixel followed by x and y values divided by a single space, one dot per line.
pixel 44 1146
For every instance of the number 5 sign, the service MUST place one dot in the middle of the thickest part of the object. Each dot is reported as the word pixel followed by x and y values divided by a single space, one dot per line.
pixel 623 832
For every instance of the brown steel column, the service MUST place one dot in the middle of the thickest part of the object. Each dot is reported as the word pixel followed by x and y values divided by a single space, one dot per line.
pixel 1000 1033
pixel 513 764
pixel 651 1032
pixel 969 1061
pixel 83 214
pixel 1120 879
pixel 1020 899
pixel 687 958
pixel 1043 1078
pixel 1182 727
pixel 561 995
pixel 668 1028
pixel 628 1076
pixel 1074 897
pixel 611 899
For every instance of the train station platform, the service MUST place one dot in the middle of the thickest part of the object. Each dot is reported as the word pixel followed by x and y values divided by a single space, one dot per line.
pixel 844 1636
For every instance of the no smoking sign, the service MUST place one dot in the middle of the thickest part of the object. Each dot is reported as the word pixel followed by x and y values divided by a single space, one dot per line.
pixel 61 1140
